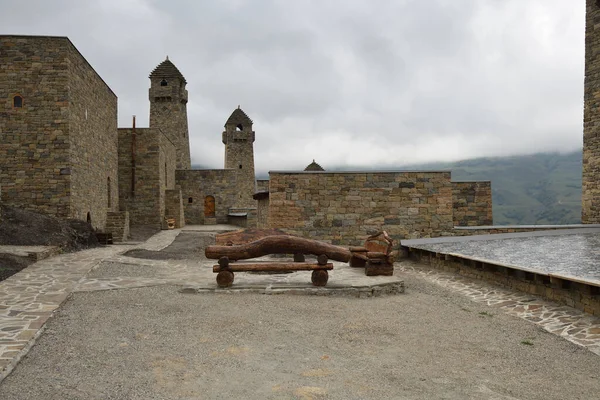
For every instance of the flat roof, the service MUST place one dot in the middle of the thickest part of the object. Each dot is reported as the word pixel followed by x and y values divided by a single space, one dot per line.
pixel 71 43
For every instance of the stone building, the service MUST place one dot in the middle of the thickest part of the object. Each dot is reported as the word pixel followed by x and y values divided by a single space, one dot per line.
pixel 58 129
pixel 62 154
pixel 221 196
pixel 591 118
pixel 168 109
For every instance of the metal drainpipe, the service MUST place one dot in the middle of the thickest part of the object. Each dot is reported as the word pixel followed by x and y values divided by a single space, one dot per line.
pixel 133 148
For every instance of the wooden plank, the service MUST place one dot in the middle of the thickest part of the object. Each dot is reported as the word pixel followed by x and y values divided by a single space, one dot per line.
pixel 273 266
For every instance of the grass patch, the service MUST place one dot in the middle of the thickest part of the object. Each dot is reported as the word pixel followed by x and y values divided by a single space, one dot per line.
pixel 486 314
pixel 527 342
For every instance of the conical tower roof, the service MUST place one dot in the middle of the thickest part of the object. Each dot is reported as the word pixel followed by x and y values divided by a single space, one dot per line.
pixel 313 166
pixel 167 69
pixel 238 116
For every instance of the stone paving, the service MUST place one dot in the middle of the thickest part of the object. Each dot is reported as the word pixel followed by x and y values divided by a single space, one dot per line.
pixel 569 323
pixel 29 298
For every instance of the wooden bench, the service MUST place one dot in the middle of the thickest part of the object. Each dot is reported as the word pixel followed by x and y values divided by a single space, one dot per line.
pixel 226 268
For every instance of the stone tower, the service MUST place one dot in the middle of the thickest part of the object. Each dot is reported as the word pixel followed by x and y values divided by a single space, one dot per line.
pixel 238 138
pixel 591 117
pixel 168 109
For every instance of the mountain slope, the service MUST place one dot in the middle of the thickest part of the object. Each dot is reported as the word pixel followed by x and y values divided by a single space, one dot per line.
pixel 533 189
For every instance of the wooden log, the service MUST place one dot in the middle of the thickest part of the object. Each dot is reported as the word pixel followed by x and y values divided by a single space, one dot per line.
pixel 362 256
pixel 283 244
pixel 358 249
pixel 322 259
pixel 245 236
pixel 224 262
pixel 376 255
pixel 273 267
pixel 225 279
pixel 356 262
pixel 381 269
pixel 319 277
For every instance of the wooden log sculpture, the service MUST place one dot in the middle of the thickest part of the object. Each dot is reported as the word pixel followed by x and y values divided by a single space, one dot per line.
pixel 281 244
pixel 376 256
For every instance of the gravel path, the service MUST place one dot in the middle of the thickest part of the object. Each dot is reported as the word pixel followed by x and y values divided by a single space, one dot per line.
pixel 156 343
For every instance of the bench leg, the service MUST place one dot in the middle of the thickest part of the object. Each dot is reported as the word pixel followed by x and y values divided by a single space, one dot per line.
pixel 225 279
pixel 319 277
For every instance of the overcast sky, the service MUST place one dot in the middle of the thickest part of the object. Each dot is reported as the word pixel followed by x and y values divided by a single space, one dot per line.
pixel 346 82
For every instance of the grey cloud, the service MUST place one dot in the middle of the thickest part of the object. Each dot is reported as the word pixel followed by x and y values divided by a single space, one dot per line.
pixel 406 80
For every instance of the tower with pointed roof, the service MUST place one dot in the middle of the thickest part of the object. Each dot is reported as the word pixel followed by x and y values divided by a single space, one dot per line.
pixel 238 138
pixel 168 109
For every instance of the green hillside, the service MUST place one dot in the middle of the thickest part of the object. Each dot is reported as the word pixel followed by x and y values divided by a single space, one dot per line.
pixel 533 189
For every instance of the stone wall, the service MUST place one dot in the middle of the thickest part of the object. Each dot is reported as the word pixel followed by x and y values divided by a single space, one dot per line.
pixel 93 143
pixel 58 150
pixel 197 184
pixel 154 173
pixel 472 203
pixel 35 165
pixel 262 185
pixel 174 207
pixel 573 293
pixel 262 217
pixel 344 207
pixel 591 118
pixel 117 223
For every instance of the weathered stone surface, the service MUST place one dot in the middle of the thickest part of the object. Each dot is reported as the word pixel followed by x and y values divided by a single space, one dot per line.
pixel 344 208
pixel 58 152
pixel 168 109
pixel 591 117
pixel 154 172
pixel 472 203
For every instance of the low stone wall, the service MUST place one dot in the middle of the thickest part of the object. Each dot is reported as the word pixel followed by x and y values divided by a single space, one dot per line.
pixel 117 223
pixel 174 207
pixel 345 207
pixel 491 230
pixel 472 203
pixel 575 293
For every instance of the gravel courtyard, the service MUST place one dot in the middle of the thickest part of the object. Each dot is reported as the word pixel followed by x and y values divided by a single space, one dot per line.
pixel 429 343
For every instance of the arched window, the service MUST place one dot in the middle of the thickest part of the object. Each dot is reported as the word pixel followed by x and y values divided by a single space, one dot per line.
pixel 108 192
pixel 18 102
pixel 209 206
pixel 164 82
pixel 190 200
pixel 240 166
pixel 239 127
pixel 89 218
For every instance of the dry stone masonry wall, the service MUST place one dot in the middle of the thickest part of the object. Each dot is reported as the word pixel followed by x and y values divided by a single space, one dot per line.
pixel 591 118
pixel 58 145
pixel 472 203
pixel 343 208
pixel 196 185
